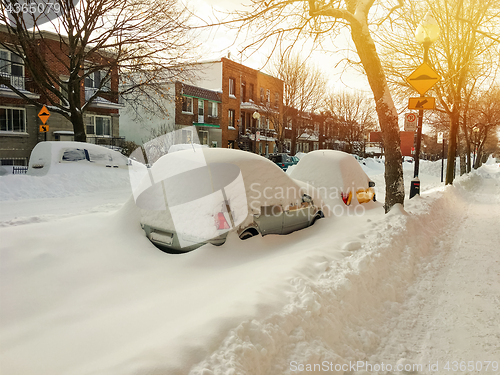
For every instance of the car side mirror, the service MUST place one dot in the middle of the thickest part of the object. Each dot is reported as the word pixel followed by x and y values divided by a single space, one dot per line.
pixel 371 184
pixel 306 198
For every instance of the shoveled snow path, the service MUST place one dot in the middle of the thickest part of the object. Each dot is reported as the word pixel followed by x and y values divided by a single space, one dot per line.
pixel 450 314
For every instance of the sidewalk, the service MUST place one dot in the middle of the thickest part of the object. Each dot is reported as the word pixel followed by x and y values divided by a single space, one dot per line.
pixel 450 315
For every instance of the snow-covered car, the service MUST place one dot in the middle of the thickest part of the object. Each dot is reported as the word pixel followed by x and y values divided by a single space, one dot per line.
pixel 337 176
pixel 199 196
pixel 62 156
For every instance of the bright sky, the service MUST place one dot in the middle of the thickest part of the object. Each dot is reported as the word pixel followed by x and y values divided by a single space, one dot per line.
pixel 221 41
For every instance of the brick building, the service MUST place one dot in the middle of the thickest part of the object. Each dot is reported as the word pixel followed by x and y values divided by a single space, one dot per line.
pixel 251 104
pixel 19 122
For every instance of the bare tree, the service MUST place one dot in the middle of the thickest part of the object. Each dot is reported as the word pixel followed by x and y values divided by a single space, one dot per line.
pixel 304 86
pixel 143 41
pixel 463 57
pixel 287 21
pixel 355 117
pixel 485 122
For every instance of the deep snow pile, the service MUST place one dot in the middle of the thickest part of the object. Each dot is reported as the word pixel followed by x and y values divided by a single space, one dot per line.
pixel 89 294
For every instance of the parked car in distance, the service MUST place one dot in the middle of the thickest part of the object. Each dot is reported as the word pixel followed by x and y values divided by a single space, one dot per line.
pixel 338 177
pixel 62 156
pixel 193 197
pixel 283 160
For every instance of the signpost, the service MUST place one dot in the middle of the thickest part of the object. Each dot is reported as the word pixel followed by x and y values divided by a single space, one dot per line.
pixel 422 79
pixel 440 139
pixel 422 103
pixel 44 115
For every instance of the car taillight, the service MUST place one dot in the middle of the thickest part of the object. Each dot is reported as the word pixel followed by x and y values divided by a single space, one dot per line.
pixel 282 164
pixel 221 221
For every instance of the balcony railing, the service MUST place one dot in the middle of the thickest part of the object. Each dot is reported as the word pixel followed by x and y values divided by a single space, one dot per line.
pixel 271 133
pixel 16 81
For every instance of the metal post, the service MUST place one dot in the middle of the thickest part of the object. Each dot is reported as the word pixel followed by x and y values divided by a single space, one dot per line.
pixel 442 162
pixel 415 183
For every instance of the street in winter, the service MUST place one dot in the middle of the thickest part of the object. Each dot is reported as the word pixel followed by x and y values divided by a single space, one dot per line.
pixel 83 291
pixel 249 187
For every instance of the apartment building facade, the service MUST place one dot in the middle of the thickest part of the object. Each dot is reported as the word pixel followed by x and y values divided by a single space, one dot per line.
pixel 251 104
pixel 19 122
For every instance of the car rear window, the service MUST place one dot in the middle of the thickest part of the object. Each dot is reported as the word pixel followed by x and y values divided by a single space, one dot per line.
pixel 275 158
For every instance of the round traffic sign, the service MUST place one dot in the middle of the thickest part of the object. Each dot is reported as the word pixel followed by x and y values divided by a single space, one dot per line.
pixel 411 117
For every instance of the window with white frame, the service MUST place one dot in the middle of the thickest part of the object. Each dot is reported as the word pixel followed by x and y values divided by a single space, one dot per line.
pixel 268 96
pixel 98 125
pixel 187 104
pixel 212 109
pixel 262 94
pixel 276 100
pixel 12 68
pixel 231 87
pixel 12 120
pixel 201 107
pixel 98 79
pixel 11 64
pixel 231 118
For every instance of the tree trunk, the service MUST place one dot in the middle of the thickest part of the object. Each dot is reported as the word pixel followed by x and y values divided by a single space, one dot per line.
pixel 467 141
pixel 78 127
pixel 452 148
pixel 461 153
pixel 387 115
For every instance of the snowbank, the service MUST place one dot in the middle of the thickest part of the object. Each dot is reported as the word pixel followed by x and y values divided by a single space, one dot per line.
pixel 89 294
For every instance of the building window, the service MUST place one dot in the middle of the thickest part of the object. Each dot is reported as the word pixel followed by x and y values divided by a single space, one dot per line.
pixel 11 64
pixel 212 109
pixel 262 94
pixel 231 87
pixel 231 118
pixel 276 100
pixel 250 92
pixel 201 108
pixel 98 125
pixel 203 135
pixel 268 96
pixel 187 104
pixel 12 69
pixel 12 120
pixel 98 80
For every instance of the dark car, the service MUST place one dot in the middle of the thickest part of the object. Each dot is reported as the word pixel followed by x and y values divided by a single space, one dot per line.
pixel 283 160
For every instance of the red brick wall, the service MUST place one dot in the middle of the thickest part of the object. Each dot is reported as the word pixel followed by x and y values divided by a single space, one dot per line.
pixel 241 73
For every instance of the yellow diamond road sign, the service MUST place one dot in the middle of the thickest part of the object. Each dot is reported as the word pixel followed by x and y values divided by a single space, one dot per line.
pixel 44 115
pixel 423 78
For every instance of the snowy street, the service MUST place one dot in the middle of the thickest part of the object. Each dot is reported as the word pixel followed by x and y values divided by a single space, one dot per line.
pixel 83 291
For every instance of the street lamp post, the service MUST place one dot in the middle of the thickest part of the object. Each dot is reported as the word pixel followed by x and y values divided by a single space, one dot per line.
pixel 476 132
pixel 427 33
pixel 256 117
